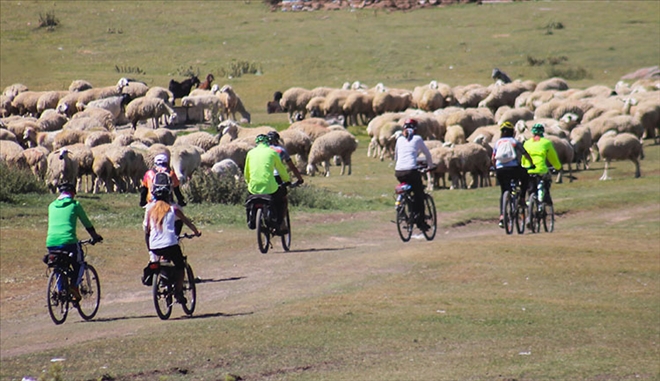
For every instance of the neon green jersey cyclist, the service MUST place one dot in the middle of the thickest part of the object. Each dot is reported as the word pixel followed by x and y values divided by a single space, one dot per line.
pixel 542 151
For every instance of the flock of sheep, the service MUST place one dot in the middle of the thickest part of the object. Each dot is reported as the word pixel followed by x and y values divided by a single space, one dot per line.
pixel 100 138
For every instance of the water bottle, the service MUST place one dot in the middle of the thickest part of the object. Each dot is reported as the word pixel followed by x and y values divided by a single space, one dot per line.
pixel 539 191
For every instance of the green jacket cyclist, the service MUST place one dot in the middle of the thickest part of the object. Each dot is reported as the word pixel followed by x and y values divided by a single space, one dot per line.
pixel 542 151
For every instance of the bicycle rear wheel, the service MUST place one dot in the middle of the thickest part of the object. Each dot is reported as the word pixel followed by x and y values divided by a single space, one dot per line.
pixel 189 291
pixel 286 238
pixel 430 217
pixel 520 215
pixel 548 218
pixel 58 301
pixel 90 290
pixel 509 212
pixel 162 292
pixel 533 214
pixel 404 223
pixel 263 236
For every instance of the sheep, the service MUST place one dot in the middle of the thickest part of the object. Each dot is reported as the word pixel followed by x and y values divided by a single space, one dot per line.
pixel 102 168
pixel 86 123
pixel 36 160
pixel 145 135
pixel 165 136
pixel 25 102
pixel 581 141
pixel 96 138
pixel 155 149
pixel 12 154
pixel 227 168
pixel 470 119
pixel 149 108
pixel 469 158
pixel 204 104
pixel 565 153
pixel 236 151
pixel 358 107
pixel 49 100
pixel 103 118
pixel 185 160
pixel 648 114
pixel 295 100
pixel 297 143
pixel 162 93
pixel 231 103
pixel 334 102
pixel 123 138
pixel 115 105
pixel 19 126
pixel 181 89
pixel 30 137
pixel 206 85
pixel 386 138
pixel 315 107
pixel 391 101
pixel 62 167
pixel 455 134
pixel 513 115
pixel 135 89
pixel 232 131
pixel 313 128
pixel 334 143
pixel 7 135
pixel 487 134
pixel 557 108
pixel 440 156
pixel 85 158
pixel 504 95
pixel 624 146
pixel 79 85
pixel 127 165
pixel 69 137
pixel 470 95
pixel 12 90
pixel 554 83
pixel 51 120
pixel 68 104
pixel 201 139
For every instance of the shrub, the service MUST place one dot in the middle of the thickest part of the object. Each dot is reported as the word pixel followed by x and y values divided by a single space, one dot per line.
pixel 14 181
pixel 569 73
pixel 211 187
pixel 48 20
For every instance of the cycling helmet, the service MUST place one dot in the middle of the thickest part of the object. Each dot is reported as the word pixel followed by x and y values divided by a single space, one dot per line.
pixel 273 137
pixel 66 188
pixel 506 126
pixel 538 129
pixel 410 123
pixel 161 160
pixel 261 138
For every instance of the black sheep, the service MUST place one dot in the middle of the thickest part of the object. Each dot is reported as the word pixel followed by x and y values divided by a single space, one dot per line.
pixel 181 89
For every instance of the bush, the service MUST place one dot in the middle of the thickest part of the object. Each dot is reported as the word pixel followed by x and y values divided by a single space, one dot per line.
pixel 569 73
pixel 14 181
pixel 48 21
pixel 211 187
pixel 317 198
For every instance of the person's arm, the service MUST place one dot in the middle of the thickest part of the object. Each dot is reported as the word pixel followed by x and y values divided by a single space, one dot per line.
pixel 143 196
pixel 80 212
pixel 179 196
pixel 427 154
pixel 523 154
pixel 552 157
pixel 179 213
pixel 295 171
pixel 281 169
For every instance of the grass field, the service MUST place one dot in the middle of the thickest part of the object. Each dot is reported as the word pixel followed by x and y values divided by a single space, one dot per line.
pixel 350 301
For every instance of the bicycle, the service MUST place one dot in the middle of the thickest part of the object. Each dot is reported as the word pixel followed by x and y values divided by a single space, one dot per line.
pixel 406 219
pixel 514 208
pixel 260 219
pixel 163 286
pixel 540 212
pixel 58 291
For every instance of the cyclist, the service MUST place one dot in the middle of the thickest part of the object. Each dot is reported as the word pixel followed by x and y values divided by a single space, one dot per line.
pixel 63 215
pixel 160 234
pixel 508 167
pixel 161 164
pixel 541 149
pixel 260 164
pixel 408 147
pixel 276 144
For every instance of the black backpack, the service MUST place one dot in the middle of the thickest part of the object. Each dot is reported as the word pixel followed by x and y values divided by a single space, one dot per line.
pixel 161 185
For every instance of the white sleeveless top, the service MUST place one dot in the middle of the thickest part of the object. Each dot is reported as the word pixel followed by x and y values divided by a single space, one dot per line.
pixel 159 239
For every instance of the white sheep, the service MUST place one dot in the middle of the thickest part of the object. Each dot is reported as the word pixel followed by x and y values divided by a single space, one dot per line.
pixel 236 151
pixel 470 95
pixel 209 106
pixel 185 160
pixel 49 100
pixel 201 139
pixel 19 127
pixel 135 89
pixel 128 167
pixel 67 104
pixel 80 85
pixel 455 135
pixel 581 141
pixel 231 104
pixel 115 105
pixel 12 154
pixel 624 146
pixel 25 102
pixel 62 167
pixel 470 158
pixel 297 144
pixel 565 153
pixel 334 143
pixel 7 135
pixel 554 83
pixel 36 160
pixel 51 120
pixel 103 118
pixel 149 108
pixel 96 138
pixel 471 119
pixel 358 107
pixel 391 101
pixel 85 158
pixel 295 100
pixel 227 168
pixel 504 95
pixel 103 169
pixel 232 131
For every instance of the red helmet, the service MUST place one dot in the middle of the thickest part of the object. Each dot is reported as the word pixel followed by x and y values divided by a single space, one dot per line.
pixel 410 123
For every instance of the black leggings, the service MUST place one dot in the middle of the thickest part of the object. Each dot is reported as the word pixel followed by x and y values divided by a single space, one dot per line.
pixel 504 176
pixel 414 179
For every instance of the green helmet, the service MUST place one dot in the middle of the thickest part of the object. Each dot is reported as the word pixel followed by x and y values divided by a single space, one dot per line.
pixel 538 129
pixel 262 138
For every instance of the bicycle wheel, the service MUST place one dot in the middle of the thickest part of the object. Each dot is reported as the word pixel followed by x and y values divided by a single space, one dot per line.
pixel 509 212
pixel 533 214
pixel 286 238
pixel 58 301
pixel 520 215
pixel 430 217
pixel 162 293
pixel 548 218
pixel 90 290
pixel 189 291
pixel 404 223
pixel 263 236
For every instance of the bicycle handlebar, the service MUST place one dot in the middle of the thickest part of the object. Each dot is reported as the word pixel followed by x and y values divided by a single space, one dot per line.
pixel 90 241
pixel 189 236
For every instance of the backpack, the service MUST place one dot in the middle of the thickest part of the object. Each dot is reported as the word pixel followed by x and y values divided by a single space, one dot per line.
pixel 161 184
pixel 506 152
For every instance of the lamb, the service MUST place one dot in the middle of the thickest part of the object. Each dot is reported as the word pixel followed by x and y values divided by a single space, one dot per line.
pixel 181 89
pixel 232 131
pixel 49 100
pixel 227 168
pixel 201 139
pixel 51 120
pixel 12 154
pixel 581 141
pixel 149 108
pixel 236 151
pixel 185 160
pixel 115 105
pixel 295 100
pixel 565 153
pixel 334 143
pixel 61 168
pixel 624 146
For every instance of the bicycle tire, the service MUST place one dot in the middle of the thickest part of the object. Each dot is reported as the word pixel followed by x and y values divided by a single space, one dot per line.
pixel 189 291
pixel 533 215
pixel 507 206
pixel 403 221
pixel 431 217
pixel 286 238
pixel 58 301
pixel 162 293
pixel 90 290
pixel 263 236
pixel 548 218
pixel 520 215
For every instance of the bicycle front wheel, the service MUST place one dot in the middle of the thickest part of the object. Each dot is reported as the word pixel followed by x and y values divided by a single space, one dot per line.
pixel 404 223
pixel 548 218
pixel 263 236
pixel 430 217
pixel 58 296
pixel 533 214
pixel 509 213
pixel 90 290
pixel 189 291
pixel 286 237
pixel 520 215
pixel 162 293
